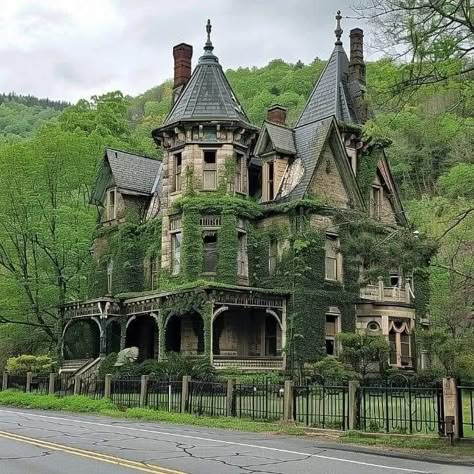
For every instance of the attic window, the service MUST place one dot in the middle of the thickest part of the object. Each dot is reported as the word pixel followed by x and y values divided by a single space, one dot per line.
pixel 210 170
pixel 111 208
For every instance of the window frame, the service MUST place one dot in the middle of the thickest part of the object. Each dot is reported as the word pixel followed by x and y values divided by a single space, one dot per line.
pixel 208 168
pixel 176 263
pixel 205 233
pixel 111 209
pixel 376 201
pixel 272 255
pixel 176 169
pixel 154 272
pixel 240 175
pixel 396 344
pixel 336 259
pixel 332 337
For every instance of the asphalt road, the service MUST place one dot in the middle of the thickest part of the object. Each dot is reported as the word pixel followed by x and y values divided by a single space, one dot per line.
pixel 40 442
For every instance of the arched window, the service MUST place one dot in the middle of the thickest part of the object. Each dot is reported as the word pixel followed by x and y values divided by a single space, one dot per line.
pixel 400 344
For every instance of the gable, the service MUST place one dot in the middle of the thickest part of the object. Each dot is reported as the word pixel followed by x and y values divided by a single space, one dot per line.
pixel 327 182
pixel 333 179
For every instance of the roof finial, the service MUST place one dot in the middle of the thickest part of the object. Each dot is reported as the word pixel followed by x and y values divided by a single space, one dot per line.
pixel 338 29
pixel 208 46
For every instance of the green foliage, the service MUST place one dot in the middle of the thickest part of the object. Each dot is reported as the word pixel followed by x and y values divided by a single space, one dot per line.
pixel 332 370
pixel 192 250
pixel 227 249
pixel 107 366
pixel 176 366
pixel 39 365
pixel 364 353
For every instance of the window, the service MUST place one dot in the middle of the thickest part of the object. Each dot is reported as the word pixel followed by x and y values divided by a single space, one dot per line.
pixel 210 170
pixel 332 258
pixel 176 252
pixel 330 333
pixel 154 273
pixel 111 210
pixel 272 256
pixel 269 177
pixel 400 344
pixel 209 239
pixel 110 274
pixel 377 194
pixel 242 265
pixel 240 186
pixel 373 327
pixel 395 279
pixel 177 168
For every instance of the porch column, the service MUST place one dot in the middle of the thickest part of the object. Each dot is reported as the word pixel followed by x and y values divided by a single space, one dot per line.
pixel 103 339
pixel 161 336
pixel 208 317
pixel 157 317
pixel 283 333
pixel 123 333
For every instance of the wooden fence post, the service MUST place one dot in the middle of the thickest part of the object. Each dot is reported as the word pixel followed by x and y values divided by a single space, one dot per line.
pixel 77 384
pixel 108 386
pixel 288 401
pixel 143 390
pixel 450 401
pixel 353 404
pixel 29 378
pixel 230 396
pixel 5 381
pixel 185 393
pixel 52 379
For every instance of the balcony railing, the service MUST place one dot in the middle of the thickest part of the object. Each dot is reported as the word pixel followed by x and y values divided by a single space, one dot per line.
pixel 380 292
pixel 254 363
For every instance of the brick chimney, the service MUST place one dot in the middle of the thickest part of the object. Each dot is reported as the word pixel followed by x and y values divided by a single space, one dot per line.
pixel 182 54
pixel 277 114
pixel 357 72
pixel 357 65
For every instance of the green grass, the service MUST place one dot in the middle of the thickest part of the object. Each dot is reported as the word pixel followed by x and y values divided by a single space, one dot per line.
pixel 409 443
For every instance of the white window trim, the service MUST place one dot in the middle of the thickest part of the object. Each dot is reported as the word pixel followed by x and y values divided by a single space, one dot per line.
pixel 111 191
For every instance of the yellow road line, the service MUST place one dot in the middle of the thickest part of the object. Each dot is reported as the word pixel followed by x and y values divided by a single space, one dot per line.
pixel 150 468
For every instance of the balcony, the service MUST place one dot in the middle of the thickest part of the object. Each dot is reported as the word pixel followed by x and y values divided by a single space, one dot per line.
pixel 392 294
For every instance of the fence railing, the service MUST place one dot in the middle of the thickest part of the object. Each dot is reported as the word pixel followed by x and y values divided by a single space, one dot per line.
pixel 321 406
pixel 394 406
pixel 401 409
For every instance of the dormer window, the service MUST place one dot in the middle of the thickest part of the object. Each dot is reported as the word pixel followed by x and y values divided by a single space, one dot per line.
pixel 269 181
pixel 210 170
pixel 111 204
pixel 376 201
pixel 176 172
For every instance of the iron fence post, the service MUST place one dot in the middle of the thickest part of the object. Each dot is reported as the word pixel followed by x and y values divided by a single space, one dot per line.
pixel 410 408
pixel 52 380
pixel 387 420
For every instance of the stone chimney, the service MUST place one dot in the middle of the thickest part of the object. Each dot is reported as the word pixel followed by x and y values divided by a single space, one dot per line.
pixel 357 65
pixel 182 54
pixel 277 114
pixel 357 73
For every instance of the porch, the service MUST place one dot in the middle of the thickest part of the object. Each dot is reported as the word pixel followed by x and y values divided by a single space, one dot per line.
pixel 381 292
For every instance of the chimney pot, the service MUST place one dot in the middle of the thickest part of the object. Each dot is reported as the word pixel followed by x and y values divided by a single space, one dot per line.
pixel 277 114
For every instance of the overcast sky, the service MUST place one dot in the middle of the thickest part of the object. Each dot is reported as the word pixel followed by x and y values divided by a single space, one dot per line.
pixel 72 49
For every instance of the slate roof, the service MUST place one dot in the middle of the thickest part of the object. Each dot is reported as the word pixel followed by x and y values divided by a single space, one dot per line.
pixel 133 172
pixel 282 138
pixel 331 95
pixel 310 140
pixel 207 96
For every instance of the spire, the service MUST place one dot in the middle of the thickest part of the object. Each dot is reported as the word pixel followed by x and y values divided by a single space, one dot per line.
pixel 338 31
pixel 208 46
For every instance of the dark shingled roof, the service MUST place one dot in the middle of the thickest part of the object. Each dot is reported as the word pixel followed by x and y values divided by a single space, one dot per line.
pixel 133 172
pixel 331 94
pixel 207 96
pixel 281 137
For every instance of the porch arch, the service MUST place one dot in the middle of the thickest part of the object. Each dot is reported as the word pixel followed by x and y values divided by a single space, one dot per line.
pixel 184 333
pixel 85 342
pixel 142 332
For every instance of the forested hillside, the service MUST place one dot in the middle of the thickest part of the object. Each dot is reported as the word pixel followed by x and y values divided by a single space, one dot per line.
pixel 47 170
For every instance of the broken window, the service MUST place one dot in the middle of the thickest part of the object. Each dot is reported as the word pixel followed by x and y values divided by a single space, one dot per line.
pixel 210 170
pixel 209 239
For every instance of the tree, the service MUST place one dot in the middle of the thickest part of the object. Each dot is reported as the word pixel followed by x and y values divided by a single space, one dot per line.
pixel 364 353
pixel 435 38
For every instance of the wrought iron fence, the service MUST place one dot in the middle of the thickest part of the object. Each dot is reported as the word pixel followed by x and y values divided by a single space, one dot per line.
pixel 398 408
pixel 92 386
pixel 39 385
pixel 63 385
pixel 164 395
pixel 125 391
pixel 466 410
pixel 258 402
pixel 17 382
pixel 207 398
pixel 321 406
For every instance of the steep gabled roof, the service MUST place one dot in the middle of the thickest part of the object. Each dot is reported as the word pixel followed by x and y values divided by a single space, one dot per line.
pixel 208 94
pixel 281 139
pixel 131 173
pixel 332 93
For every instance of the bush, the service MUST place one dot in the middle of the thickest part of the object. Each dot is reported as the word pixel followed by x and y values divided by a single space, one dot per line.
pixel 39 365
pixel 332 370
pixel 107 365
pixel 250 378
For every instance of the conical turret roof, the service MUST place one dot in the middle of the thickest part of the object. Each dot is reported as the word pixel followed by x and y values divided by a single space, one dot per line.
pixel 208 94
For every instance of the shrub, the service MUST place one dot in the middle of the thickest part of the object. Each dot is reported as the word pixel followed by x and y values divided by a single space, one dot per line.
pixel 39 365
pixel 332 370
pixel 107 365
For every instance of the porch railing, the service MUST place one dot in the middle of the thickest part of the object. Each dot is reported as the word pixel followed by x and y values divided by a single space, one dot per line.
pixel 225 362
